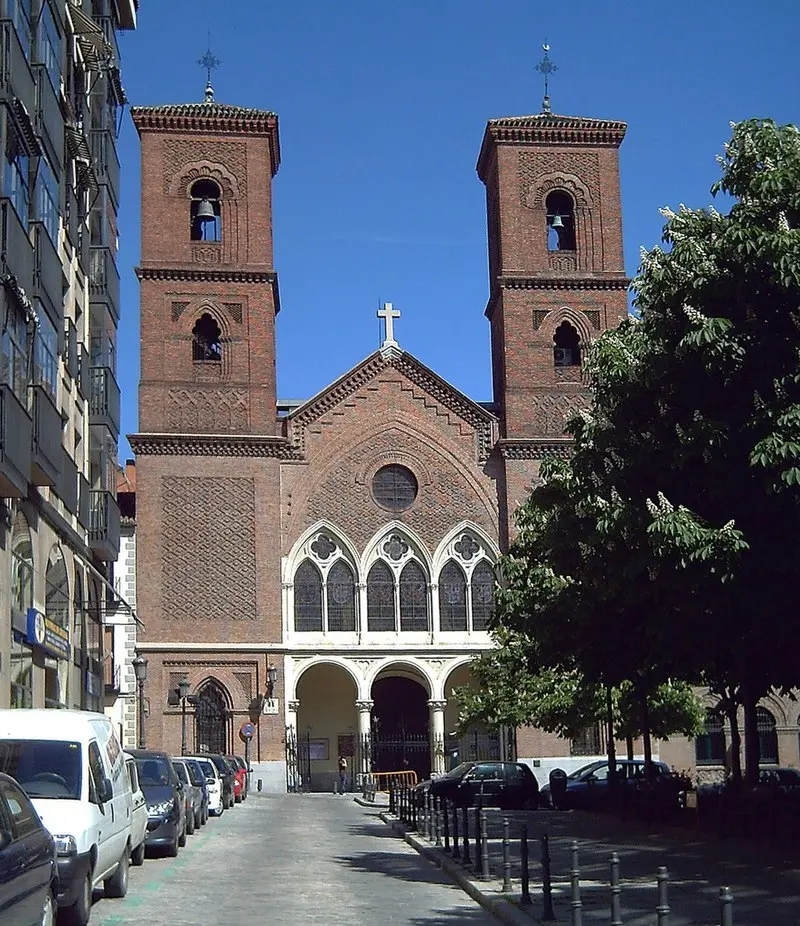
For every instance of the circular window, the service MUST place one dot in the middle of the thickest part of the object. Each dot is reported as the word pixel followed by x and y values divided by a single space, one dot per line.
pixel 394 487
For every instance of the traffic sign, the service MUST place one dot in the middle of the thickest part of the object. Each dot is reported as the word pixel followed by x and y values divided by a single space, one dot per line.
pixel 246 732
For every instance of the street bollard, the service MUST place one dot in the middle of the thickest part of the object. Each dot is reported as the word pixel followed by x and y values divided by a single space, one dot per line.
pixel 446 822
pixel 484 846
pixel 437 821
pixel 506 855
pixel 465 859
pixel 391 801
pixel 547 882
pixel 477 838
pixel 575 883
pixel 616 891
pixel 426 816
pixel 412 798
pixel 456 849
pixel 400 808
pixel 662 910
pixel 525 898
pixel 259 785
pixel 726 906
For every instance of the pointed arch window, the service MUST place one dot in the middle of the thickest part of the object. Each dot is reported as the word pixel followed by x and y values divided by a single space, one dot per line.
pixel 560 211
pixel 413 598
pixel 452 597
pixel 211 719
pixel 767 736
pixel 206 339
pixel 482 595
pixel 380 598
pixel 566 346
pixel 205 214
pixel 341 597
pixel 710 746
pixel 308 598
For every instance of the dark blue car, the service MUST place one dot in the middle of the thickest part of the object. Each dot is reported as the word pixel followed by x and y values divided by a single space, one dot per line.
pixel 27 861
pixel 587 787
pixel 166 803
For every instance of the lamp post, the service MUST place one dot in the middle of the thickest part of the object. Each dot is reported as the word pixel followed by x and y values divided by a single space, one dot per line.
pixel 183 693
pixel 140 668
pixel 272 677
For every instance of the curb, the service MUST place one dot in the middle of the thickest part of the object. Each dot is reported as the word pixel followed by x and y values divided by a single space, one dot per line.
pixel 501 907
pixel 375 805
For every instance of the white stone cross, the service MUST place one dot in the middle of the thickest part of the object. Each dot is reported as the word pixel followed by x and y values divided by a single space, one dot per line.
pixel 389 315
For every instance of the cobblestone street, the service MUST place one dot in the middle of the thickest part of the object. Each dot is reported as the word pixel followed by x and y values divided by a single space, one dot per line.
pixel 292 859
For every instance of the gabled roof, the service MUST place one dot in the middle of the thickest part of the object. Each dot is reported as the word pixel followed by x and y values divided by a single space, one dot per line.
pixel 548 129
pixel 412 369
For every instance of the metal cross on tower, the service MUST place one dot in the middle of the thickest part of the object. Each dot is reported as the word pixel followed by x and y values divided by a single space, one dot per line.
pixel 388 314
pixel 546 68
pixel 209 62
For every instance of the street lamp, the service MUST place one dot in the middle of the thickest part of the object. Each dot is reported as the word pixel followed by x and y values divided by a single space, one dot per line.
pixel 183 694
pixel 272 677
pixel 140 668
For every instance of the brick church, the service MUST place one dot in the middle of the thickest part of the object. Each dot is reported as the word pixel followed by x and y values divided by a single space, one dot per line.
pixel 323 570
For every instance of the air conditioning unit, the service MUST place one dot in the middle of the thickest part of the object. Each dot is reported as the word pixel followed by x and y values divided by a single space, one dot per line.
pixel 562 356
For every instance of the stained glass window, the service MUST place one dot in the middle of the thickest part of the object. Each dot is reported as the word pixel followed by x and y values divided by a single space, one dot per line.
pixel 413 598
pixel 307 598
pixel 394 487
pixel 482 595
pixel 380 598
pixel 341 589
pixel 452 598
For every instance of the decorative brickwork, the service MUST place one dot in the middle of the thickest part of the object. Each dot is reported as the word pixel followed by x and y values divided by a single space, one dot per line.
pixel 213 411
pixel 234 310
pixel 539 315
pixel 550 411
pixel 245 679
pixel 594 317
pixel 207 253
pixel 178 308
pixel 180 152
pixel 209 557
pixel 576 169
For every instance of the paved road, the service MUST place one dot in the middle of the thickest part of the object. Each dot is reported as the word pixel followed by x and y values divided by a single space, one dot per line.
pixel 292 859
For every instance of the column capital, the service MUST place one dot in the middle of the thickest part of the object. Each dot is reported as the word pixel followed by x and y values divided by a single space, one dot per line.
pixel 364 706
pixel 293 706
pixel 437 705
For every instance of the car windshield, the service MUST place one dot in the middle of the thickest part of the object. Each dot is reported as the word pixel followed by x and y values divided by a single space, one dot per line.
pixel 208 767
pixel 180 771
pixel 44 768
pixel 585 770
pixel 460 770
pixel 153 772
pixel 221 764
pixel 195 774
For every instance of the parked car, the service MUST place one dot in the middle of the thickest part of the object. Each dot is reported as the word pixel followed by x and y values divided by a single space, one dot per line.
pixel 27 861
pixel 138 813
pixel 228 779
pixel 192 794
pixel 240 773
pixel 779 777
pixel 511 785
pixel 71 766
pixel 587 787
pixel 198 779
pixel 166 804
pixel 214 784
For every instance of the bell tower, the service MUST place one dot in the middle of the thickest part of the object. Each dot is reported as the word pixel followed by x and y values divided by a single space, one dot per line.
pixel 556 275
pixel 209 292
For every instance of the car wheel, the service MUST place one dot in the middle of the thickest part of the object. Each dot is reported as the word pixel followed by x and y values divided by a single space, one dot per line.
pixel 48 910
pixel 198 819
pixel 237 800
pixel 172 848
pixel 182 837
pixel 190 823
pixel 137 856
pixel 78 914
pixel 117 884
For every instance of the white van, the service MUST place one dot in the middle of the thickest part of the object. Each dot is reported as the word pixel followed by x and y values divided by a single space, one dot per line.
pixel 71 765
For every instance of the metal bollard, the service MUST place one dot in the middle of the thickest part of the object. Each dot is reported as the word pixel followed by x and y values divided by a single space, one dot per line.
pixel 437 821
pixel 456 849
pixel 477 838
pixel 412 798
pixel 259 785
pixel 426 816
pixel 616 890
pixel 506 855
pixel 662 910
pixel 446 822
pixel 484 846
pixel 547 882
pixel 465 859
pixel 575 903
pixel 525 899
pixel 726 906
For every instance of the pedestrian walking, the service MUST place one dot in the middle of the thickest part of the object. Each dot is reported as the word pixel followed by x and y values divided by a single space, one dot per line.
pixel 342 774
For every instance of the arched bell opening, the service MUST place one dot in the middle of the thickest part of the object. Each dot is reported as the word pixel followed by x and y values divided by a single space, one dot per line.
pixel 560 211
pixel 205 214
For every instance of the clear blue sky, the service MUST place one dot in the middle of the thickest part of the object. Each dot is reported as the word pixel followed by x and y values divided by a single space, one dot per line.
pixel 382 108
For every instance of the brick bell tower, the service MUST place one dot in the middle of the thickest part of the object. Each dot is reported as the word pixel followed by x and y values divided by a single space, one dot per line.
pixel 556 276
pixel 207 452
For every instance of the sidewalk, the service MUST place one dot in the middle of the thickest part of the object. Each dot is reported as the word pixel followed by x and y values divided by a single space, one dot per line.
pixel 765 881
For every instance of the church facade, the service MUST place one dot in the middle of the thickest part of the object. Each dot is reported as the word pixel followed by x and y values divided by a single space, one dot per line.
pixel 322 572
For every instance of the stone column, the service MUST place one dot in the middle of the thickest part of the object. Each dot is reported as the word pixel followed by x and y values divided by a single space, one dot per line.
pixel 437 736
pixel 364 753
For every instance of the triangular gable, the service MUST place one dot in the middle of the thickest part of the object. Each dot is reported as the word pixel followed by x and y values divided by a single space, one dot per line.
pixel 482 420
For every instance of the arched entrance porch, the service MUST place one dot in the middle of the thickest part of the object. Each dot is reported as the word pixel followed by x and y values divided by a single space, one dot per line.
pixel 476 742
pixel 401 729
pixel 326 728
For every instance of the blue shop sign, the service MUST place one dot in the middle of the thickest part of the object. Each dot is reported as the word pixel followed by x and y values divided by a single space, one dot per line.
pixel 48 635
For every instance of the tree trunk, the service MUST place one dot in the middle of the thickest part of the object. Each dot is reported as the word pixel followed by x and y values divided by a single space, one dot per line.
pixel 610 744
pixel 751 745
pixel 732 713
pixel 648 745
pixel 629 745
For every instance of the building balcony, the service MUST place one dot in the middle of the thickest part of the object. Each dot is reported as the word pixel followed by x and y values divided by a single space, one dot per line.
pixel 84 501
pixel 104 525
pixel 105 160
pixel 104 280
pixel 47 449
pixel 104 399
pixel 67 485
pixel 15 445
pixel 48 274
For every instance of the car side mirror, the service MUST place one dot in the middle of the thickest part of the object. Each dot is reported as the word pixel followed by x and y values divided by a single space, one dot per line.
pixel 211 781
pixel 105 790
pixel 179 785
pixel 5 839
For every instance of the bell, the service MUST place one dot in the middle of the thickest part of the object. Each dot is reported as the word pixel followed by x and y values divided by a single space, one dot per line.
pixel 557 223
pixel 205 211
